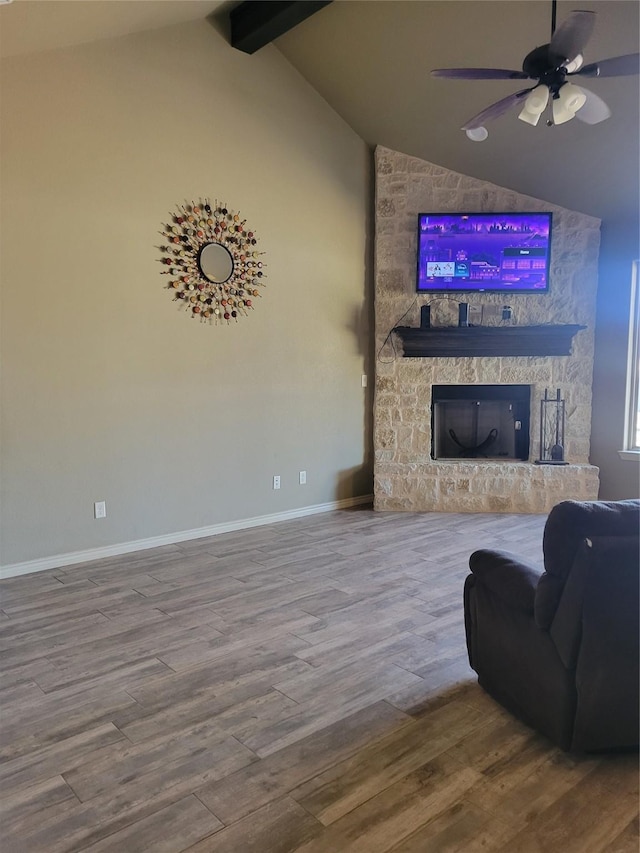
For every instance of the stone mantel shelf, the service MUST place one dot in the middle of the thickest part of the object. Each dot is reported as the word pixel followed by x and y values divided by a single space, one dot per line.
pixel 470 341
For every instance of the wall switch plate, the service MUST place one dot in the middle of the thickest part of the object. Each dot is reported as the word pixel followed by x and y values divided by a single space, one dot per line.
pixel 364 380
pixel 303 478
pixel 100 509
pixel 276 481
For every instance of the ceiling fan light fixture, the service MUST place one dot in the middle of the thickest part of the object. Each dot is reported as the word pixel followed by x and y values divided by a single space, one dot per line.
pixel 570 99
pixel 477 134
pixel 530 118
pixel 534 105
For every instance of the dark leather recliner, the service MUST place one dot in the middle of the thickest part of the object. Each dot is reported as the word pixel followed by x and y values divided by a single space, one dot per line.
pixel 559 647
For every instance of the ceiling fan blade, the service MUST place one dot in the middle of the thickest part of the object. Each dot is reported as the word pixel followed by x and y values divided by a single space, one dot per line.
pixel 594 109
pixel 617 66
pixel 479 74
pixel 495 110
pixel 571 36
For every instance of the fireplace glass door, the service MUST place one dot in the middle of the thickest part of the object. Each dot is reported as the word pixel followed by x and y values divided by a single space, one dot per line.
pixel 480 422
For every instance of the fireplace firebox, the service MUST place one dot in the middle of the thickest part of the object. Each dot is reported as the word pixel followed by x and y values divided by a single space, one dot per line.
pixel 480 422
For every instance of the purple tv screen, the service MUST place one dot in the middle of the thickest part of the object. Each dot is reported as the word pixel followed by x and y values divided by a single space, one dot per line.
pixel 505 252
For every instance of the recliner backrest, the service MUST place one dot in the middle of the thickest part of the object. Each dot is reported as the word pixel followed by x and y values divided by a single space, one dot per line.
pixel 608 661
pixel 568 525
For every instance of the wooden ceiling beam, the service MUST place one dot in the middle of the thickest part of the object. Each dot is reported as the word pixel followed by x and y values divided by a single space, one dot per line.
pixel 255 23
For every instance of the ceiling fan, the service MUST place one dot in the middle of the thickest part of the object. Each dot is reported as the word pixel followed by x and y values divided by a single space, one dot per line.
pixel 553 66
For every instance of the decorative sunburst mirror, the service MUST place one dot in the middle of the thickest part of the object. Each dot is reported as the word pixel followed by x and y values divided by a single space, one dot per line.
pixel 210 253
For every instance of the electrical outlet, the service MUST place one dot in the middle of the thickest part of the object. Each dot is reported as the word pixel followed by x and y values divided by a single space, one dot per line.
pixel 276 481
pixel 100 509
pixel 303 478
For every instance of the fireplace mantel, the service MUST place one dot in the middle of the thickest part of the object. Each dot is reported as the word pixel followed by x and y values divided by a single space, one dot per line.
pixel 467 342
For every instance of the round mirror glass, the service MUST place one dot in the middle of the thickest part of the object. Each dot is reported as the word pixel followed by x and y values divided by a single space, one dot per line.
pixel 216 263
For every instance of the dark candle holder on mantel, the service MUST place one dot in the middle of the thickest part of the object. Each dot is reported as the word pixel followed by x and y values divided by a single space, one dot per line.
pixel 551 430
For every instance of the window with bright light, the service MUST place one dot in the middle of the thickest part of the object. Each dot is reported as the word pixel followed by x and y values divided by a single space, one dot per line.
pixel 632 430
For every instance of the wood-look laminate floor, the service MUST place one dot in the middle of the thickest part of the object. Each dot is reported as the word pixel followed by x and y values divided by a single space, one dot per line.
pixel 296 688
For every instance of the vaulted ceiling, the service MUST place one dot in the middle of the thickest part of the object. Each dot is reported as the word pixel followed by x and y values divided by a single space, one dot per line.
pixel 371 62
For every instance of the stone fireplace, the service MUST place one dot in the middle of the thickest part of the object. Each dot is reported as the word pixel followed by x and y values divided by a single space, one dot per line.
pixel 418 465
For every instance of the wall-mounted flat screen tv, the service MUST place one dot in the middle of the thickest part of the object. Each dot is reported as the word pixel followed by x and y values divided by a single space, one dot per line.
pixel 476 252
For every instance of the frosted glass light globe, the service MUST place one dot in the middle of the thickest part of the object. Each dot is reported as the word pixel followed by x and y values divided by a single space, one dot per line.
pixel 477 134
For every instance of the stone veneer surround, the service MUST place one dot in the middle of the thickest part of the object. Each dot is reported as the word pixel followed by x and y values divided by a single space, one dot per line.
pixel 406 477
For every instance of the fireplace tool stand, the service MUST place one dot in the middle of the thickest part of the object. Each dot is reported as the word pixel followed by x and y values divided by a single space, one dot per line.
pixel 551 430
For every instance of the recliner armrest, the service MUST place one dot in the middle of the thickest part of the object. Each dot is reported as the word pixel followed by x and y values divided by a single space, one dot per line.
pixel 508 577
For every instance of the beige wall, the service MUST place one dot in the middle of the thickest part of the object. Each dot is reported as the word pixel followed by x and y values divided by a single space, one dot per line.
pixel 108 391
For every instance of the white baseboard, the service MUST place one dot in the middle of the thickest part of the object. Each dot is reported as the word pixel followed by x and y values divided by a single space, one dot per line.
pixel 74 557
